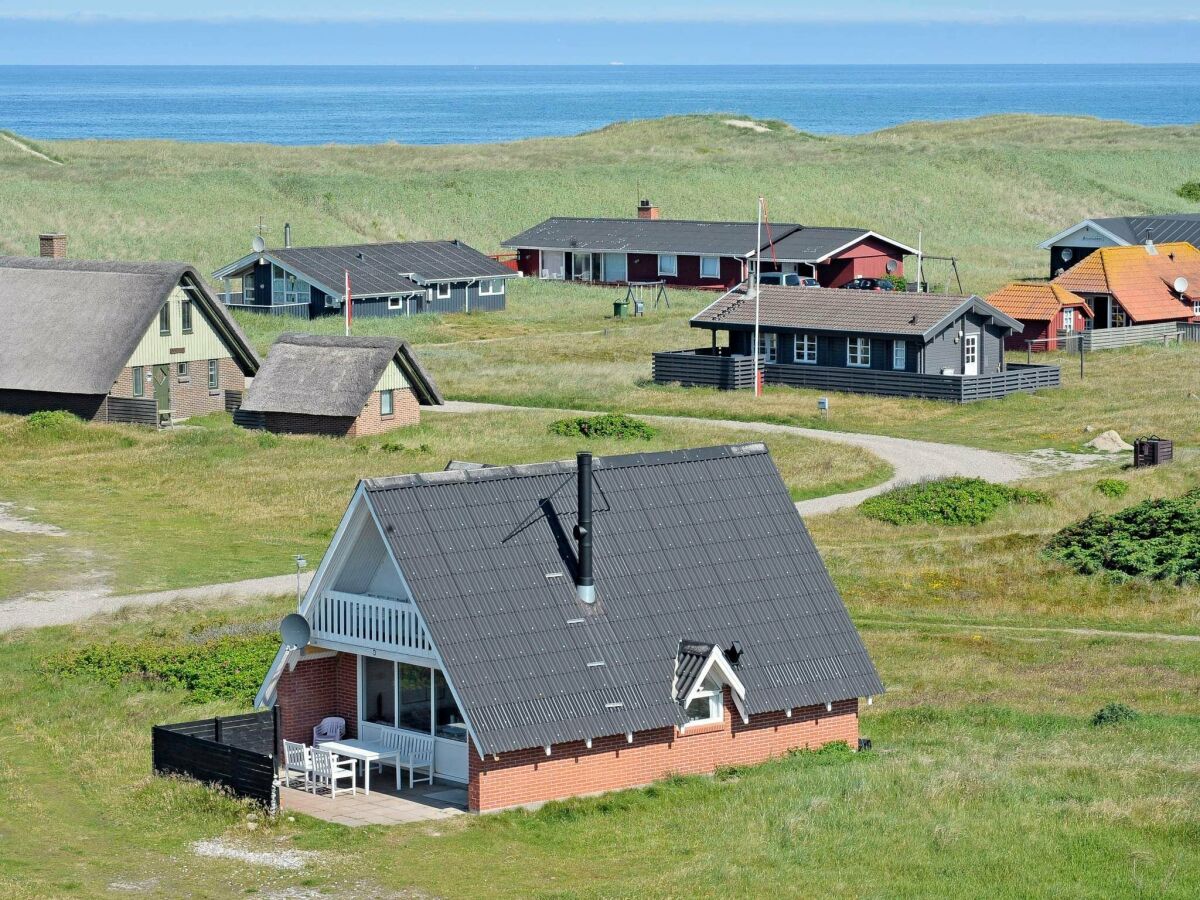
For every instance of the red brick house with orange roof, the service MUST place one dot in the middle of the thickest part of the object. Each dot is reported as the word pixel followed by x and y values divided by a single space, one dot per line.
pixel 1048 311
pixel 1138 285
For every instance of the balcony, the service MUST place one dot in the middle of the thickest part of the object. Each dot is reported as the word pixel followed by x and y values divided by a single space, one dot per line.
pixel 365 622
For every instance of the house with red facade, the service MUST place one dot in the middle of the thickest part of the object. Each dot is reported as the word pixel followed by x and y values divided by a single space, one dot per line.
pixel 698 254
pixel 573 627
pixel 1049 313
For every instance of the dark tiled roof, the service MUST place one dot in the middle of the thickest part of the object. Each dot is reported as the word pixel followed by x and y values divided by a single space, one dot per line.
pixel 702 543
pixel 689 236
pixel 71 325
pixel 689 663
pixel 377 269
pixel 841 310
pixel 1163 229
pixel 327 375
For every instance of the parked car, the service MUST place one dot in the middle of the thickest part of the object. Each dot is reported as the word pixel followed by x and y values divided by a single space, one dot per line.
pixel 869 284
pixel 788 279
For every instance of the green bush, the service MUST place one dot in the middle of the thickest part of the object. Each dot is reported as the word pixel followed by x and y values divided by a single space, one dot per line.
pixel 608 425
pixel 1155 539
pixel 947 501
pixel 55 422
pixel 228 668
pixel 1114 714
pixel 1190 190
pixel 1112 487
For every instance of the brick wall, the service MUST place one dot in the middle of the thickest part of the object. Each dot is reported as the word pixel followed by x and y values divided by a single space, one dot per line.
pixel 406 410
pixel 317 688
pixel 530 776
pixel 190 395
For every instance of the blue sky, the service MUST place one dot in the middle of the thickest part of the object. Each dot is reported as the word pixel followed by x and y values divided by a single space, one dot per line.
pixel 628 31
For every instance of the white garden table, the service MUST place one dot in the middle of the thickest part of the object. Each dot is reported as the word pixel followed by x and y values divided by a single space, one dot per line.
pixel 365 752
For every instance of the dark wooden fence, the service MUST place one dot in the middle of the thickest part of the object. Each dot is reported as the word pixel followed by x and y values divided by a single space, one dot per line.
pixel 236 752
pixel 233 401
pixel 133 410
pixel 702 367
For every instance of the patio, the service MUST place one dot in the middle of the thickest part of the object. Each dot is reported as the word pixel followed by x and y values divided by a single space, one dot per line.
pixel 385 805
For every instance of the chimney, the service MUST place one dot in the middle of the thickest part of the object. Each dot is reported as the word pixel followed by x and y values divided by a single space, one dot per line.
pixel 585 585
pixel 647 210
pixel 52 246
pixel 287 234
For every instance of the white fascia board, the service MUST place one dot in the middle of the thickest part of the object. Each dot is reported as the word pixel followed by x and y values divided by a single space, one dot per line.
pixel 1086 223
pixel 717 660
pixel 909 251
pixel 421 619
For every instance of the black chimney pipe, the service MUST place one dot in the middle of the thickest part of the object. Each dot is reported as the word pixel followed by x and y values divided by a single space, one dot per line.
pixel 585 585
pixel 287 234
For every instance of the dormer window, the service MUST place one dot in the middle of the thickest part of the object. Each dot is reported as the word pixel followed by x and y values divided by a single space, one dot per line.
pixel 702 671
pixel 705 708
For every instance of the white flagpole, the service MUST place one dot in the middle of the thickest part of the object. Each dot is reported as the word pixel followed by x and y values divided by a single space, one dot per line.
pixel 757 287
pixel 348 313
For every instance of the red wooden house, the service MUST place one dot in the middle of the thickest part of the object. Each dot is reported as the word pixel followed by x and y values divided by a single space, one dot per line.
pixel 1050 314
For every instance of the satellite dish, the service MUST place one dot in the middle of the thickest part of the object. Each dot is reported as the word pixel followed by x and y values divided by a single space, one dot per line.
pixel 258 245
pixel 891 267
pixel 295 630
pixel 1181 285
pixel 1066 254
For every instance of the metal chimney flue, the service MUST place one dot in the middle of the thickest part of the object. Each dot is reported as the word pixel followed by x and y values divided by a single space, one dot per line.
pixel 585 584
pixel 287 234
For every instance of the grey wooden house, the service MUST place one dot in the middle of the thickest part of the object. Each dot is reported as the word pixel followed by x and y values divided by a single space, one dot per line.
pixel 894 343
pixel 388 279
pixel 116 341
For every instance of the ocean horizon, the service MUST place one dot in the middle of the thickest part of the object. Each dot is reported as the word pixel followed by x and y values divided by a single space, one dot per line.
pixel 298 105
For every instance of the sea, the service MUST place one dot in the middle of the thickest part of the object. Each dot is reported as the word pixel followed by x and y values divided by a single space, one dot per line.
pixel 469 104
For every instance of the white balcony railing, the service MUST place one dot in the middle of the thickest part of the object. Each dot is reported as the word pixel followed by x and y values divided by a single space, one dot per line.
pixel 378 623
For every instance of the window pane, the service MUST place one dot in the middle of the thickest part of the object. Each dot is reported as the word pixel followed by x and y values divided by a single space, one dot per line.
pixel 164 319
pixel 185 314
pixel 385 403
pixel 139 381
pixel 379 691
pixel 213 374
pixel 449 719
pixel 414 697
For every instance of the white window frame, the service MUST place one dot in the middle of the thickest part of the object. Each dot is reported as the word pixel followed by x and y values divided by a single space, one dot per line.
pixel 442 291
pixel 716 709
pixel 768 347
pixel 860 347
pixel 491 287
pixel 1068 320
pixel 214 375
pixel 971 351
pixel 1196 307
pixel 802 343
pixel 395 303
pixel 139 381
pixel 899 355
pixel 711 259
pixel 674 270
pixel 390 396
pixel 182 370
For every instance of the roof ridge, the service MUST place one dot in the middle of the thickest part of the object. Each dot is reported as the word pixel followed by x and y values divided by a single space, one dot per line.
pixel 525 470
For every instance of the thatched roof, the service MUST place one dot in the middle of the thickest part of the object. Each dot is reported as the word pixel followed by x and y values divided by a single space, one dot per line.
pixel 320 375
pixel 71 325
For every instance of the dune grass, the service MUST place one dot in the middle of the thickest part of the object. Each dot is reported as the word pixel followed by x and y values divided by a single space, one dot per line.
pixel 986 776
pixel 213 503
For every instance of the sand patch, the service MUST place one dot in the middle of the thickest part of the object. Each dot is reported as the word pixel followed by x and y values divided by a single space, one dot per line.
pixel 15 524
pixel 748 124
pixel 291 860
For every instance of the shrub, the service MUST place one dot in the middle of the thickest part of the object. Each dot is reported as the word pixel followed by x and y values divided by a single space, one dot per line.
pixel 608 425
pixel 227 668
pixel 947 501
pixel 1190 190
pixel 1113 714
pixel 1112 487
pixel 1156 539
pixel 54 422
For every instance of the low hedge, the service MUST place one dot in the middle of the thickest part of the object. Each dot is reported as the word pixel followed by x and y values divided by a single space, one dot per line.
pixel 1156 539
pixel 607 425
pixel 947 501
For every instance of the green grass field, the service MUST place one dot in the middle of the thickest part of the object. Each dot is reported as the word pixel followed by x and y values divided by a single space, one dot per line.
pixel 214 503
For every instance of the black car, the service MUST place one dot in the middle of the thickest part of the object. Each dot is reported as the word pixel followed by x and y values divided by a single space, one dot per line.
pixel 869 284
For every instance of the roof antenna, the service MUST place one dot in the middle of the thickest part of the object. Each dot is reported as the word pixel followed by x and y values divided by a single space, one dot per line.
pixel 585 584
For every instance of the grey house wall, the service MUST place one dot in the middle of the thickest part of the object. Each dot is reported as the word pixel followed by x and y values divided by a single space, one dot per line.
pixel 831 349
pixel 944 351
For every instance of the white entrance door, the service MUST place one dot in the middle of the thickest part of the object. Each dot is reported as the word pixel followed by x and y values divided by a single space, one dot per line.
pixel 971 354
pixel 553 262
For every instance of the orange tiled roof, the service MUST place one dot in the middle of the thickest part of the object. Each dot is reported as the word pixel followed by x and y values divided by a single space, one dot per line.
pixel 1141 278
pixel 1036 300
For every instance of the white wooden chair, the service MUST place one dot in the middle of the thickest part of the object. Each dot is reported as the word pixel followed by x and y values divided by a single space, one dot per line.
pixel 415 751
pixel 297 764
pixel 328 770
pixel 332 728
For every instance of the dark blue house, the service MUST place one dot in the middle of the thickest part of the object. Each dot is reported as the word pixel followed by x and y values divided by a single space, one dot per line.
pixel 391 279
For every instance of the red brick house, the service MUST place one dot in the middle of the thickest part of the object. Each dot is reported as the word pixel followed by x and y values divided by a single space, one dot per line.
pixel 140 342
pixel 1049 312
pixel 338 386
pixel 698 254
pixel 572 627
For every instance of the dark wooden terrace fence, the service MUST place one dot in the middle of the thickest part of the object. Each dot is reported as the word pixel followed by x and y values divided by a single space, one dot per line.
pixel 236 752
